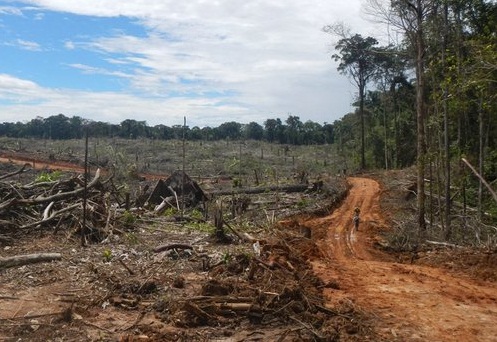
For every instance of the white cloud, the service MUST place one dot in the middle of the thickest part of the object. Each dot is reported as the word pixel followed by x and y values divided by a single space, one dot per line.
pixel 10 10
pixel 107 106
pixel 69 45
pixel 16 88
pixel 269 58
pixel 27 45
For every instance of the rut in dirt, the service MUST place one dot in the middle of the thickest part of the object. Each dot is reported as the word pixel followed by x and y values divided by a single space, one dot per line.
pixel 409 302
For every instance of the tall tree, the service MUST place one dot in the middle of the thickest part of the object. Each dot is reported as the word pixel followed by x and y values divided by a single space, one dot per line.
pixel 253 131
pixel 229 130
pixel 358 59
pixel 293 129
pixel 411 16
pixel 273 129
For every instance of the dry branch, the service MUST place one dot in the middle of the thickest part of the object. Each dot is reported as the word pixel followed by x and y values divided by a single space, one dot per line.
pixel 20 260
pixel 492 192
pixel 172 246
pixel 62 195
pixel 445 244
pixel 242 238
pixel 21 170
pixel 51 217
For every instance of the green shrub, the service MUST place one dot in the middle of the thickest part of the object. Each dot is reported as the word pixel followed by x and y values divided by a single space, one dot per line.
pixel 48 177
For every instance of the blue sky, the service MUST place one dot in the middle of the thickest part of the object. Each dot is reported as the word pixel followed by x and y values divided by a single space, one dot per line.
pixel 160 60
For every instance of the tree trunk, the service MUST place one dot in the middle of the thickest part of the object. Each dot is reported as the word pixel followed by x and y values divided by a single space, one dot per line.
pixel 480 157
pixel 361 113
pixel 446 131
pixel 420 117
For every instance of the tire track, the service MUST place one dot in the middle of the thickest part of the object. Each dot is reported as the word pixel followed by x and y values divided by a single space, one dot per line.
pixel 410 302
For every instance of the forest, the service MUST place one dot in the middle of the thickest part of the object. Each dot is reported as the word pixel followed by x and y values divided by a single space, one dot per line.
pixel 292 131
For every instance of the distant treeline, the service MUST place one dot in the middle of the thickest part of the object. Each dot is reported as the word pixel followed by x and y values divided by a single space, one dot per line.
pixel 61 127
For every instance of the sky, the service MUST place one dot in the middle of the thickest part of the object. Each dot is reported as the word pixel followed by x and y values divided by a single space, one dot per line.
pixel 211 61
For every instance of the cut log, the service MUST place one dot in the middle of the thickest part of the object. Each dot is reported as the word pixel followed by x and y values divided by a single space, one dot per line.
pixel 20 260
pixel 260 190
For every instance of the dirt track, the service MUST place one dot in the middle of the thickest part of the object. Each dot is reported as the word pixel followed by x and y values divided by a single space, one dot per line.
pixel 411 303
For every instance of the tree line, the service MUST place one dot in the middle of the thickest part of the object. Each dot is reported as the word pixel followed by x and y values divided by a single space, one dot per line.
pixel 292 131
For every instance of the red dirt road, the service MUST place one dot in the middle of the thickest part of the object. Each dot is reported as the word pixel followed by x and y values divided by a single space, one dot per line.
pixel 410 302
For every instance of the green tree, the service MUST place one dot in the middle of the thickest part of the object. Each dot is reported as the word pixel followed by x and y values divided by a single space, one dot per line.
pixel 253 131
pixel 273 129
pixel 58 127
pixel 312 133
pixel 229 130
pixel 293 130
pixel 359 60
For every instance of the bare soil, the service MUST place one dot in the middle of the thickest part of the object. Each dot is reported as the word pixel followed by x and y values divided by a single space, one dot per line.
pixel 410 302
pixel 335 285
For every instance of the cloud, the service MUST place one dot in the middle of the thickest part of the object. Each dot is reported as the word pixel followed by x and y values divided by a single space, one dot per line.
pixel 69 45
pixel 27 45
pixel 19 96
pixel 260 59
pixel 10 10
pixel 12 87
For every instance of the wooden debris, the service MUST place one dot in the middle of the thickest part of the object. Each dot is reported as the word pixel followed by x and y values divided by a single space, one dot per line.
pixel 21 170
pixel 260 190
pixel 20 260
pixel 162 248
pixel 180 187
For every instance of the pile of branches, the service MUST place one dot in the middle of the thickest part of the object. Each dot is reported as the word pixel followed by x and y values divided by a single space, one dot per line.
pixel 273 288
pixel 55 202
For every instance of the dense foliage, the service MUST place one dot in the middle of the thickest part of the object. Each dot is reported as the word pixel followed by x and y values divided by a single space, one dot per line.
pixel 60 127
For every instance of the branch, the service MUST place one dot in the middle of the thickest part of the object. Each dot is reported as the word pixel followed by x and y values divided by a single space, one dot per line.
pixel 492 192
pixel 172 246
pixel 61 195
pixel 21 170
pixel 51 217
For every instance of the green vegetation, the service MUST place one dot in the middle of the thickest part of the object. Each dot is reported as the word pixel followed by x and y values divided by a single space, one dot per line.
pixel 48 177
pixel 61 127
pixel 107 255
pixel 432 105
pixel 128 218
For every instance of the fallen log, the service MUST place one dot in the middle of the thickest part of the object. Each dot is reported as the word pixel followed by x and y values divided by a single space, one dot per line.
pixel 260 190
pixel 20 260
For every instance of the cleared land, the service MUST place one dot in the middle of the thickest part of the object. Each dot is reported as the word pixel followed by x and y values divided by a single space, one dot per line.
pixel 315 279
